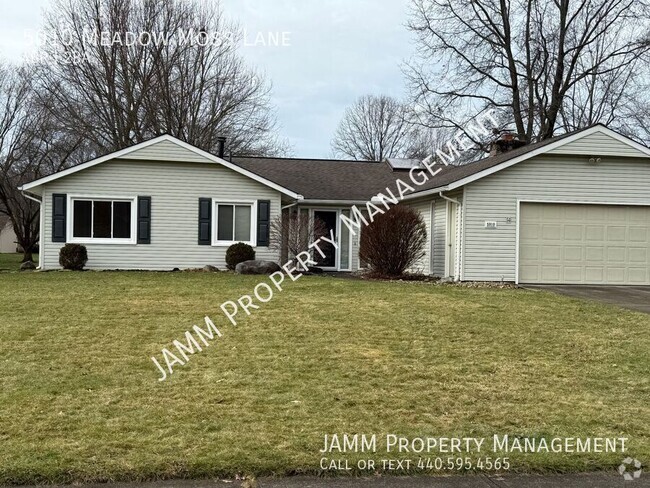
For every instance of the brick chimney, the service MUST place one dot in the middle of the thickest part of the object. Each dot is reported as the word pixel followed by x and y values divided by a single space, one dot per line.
pixel 505 140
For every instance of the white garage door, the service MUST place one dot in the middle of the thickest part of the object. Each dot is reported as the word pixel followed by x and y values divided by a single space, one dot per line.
pixel 584 244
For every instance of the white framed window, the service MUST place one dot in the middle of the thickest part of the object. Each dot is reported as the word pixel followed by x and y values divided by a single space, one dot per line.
pixel 102 220
pixel 234 221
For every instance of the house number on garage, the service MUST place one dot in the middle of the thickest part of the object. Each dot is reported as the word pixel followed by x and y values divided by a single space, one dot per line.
pixel 490 224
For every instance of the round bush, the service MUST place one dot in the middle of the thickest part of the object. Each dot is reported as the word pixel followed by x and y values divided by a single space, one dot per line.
pixel 73 256
pixel 394 241
pixel 238 253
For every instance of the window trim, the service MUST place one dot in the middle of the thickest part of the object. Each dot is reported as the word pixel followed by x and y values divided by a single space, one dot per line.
pixel 215 221
pixel 101 240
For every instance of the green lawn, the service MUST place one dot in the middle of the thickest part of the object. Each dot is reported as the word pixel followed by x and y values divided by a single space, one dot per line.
pixel 80 400
pixel 11 262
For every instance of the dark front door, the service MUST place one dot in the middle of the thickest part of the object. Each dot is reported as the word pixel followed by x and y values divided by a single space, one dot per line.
pixel 325 224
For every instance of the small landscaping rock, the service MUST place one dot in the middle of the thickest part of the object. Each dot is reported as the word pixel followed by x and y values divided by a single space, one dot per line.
pixel 27 265
pixel 208 268
pixel 257 267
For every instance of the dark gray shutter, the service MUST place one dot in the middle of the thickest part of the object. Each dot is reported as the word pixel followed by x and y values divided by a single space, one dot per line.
pixel 59 201
pixel 263 222
pixel 144 220
pixel 205 221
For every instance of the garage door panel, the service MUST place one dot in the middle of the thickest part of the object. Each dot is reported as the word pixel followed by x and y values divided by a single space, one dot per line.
pixel 573 274
pixel 594 254
pixel 573 232
pixel 638 255
pixel 638 276
pixel 616 233
pixel 550 253
pixel 552 231
pixel 616 276
pixel 638 234
pixel 594 275
pixel 529 274
pixel 594 213
pixel 595 233
pixel 574 253
pixel 588 244
pixel 551 274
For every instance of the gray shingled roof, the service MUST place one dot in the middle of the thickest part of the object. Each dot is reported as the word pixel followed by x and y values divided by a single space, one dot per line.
pixel 352 180
pixel 320 179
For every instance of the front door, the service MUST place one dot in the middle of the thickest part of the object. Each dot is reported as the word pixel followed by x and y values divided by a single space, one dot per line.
pixel 325 225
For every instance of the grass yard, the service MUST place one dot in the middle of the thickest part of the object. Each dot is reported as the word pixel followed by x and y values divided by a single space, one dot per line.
pixel 11 262
pixel 80 400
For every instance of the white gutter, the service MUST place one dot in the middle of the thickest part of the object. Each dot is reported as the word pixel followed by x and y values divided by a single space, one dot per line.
pixel 426 193
pixel 333 202
pixel 452 200
pixel 40 225
pixel 289 206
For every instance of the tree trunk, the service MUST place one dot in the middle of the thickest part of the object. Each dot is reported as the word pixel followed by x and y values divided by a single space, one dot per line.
pixel 27 256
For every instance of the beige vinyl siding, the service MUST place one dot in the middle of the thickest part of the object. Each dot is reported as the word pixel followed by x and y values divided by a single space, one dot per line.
pixel 166 151
pixel 438 234
pixel 355 262
pixel 598 144
pixel 458 236
pixel 423 266
pixel 438 247
pixel 490 254
pixel 175 189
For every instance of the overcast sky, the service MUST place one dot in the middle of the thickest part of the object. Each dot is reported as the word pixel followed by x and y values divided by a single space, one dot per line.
pixel 334 52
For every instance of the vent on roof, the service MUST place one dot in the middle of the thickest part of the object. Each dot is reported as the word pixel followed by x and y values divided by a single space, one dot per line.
pixel 505 141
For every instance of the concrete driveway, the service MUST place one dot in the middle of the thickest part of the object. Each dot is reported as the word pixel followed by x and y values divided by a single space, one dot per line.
pixel 630 297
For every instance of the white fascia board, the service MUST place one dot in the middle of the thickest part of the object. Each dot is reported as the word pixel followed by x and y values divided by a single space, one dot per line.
pixel 427 193
pixel 332 202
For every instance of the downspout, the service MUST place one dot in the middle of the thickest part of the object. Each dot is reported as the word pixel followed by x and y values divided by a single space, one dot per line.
pixel 452 200
pixel 40 227
pixel 460 233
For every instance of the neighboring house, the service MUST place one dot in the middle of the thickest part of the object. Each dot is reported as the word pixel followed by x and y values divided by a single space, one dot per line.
pixel 573 209
pixel 7 236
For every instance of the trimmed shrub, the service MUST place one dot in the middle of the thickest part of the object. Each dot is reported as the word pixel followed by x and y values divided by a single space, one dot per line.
pixel 394 241
pixel 73 256
pixel 238 253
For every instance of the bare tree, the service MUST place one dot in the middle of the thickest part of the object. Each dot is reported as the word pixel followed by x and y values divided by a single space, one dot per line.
pixel 31 146
pixel 373 129
pixel 123 71
pixel 292 232
pixel 546 63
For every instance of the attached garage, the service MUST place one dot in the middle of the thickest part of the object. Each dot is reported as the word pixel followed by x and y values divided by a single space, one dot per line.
pixel 584 244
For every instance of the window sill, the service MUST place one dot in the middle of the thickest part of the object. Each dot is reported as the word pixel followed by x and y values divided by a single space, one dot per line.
pixel 123 242
pixel 230 243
